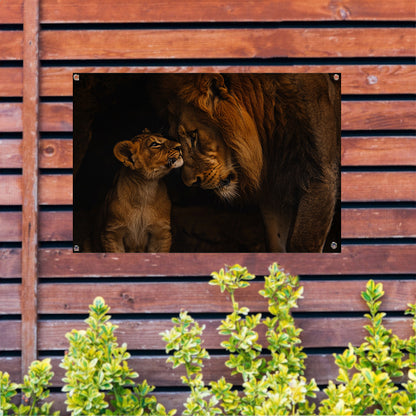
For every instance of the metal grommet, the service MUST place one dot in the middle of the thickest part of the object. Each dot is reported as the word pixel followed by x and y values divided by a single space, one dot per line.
pixel 76 77
pixel 334 245
pixel 336 77
pixel 76 248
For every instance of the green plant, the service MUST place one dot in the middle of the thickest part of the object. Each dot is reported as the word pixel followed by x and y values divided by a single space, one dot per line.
pixel 34 388
pixel 98 380
pixel 367 373
pixel 274 386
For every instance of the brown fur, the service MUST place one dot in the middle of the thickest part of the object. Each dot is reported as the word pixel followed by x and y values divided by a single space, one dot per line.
pixel 269 138
pixel 137 208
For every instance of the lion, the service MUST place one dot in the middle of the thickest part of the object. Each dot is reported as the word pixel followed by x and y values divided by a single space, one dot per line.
pixel 137 208
pixel 269 138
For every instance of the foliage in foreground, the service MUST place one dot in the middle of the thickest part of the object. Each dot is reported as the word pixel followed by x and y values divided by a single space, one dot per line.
pixel 98 380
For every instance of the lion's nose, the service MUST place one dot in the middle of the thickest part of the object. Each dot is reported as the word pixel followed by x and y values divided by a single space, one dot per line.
pixel 171 161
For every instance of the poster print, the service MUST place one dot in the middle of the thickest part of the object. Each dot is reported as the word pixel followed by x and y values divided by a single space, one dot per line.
pixel 207 162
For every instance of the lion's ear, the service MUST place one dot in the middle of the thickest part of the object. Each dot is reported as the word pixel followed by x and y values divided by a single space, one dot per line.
pixel 123 151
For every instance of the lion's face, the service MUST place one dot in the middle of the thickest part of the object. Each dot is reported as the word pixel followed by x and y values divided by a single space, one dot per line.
pixel 208 161
pixel 151 155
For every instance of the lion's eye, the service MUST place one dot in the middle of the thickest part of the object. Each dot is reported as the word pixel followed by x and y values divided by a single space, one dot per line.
pixel 155 144
pixel 194 135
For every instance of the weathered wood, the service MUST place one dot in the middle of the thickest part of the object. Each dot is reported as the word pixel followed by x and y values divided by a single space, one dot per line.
pixel 30 178
pixel 217 11
pixel 199 297
pixel 123 11
pixel 354 259
pixel 388 115
pixel 356 79
pixel 356 186
pixel 378 151
pixel 11 45
pixel 229 43
pixel 363 115
pixel 10 300
pixel 378 223
pixel 378 186
pixel 53 153
pixel 13 340
pixel 362 259
pixel 11 80
pixel 145 334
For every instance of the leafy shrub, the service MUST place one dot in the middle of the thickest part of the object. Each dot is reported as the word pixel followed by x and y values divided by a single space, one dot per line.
pixel 276 386
pixel 98 380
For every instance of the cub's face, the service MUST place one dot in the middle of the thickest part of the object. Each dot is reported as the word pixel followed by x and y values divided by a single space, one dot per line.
pixel 151 155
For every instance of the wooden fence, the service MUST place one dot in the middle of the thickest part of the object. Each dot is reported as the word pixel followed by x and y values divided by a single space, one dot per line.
pixel 45 288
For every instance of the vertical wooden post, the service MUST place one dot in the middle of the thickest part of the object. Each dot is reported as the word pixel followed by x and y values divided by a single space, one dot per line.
pixel 30 180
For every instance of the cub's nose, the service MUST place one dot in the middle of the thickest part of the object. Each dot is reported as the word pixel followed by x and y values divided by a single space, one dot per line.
pixel 171 161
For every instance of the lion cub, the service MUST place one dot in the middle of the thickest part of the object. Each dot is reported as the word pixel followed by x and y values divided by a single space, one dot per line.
pixel 137 208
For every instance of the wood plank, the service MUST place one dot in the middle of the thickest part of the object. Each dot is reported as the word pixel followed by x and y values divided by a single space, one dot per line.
pixel 11 11
pixel 11 79
pixel 230 43
pixel 356 79
pixel 11 117
pixel 53 153
pixel 354 259
pixel 378 186
pixel 384 115
pixel 11 45
pixel 10 299
pixel 13 340
pixel 200 297
pixel 144 334
pixel 122 11
pixel 378 151
pixel 356 115
pixel 355 151
pixel 378 223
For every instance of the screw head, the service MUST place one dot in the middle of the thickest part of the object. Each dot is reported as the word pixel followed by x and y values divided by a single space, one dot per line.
pixel 336 77
pixel 334 245
pixel 76 77
pixel 76 248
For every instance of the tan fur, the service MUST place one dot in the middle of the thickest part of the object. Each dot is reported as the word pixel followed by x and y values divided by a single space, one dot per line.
pixel 270 138
pixel 137 208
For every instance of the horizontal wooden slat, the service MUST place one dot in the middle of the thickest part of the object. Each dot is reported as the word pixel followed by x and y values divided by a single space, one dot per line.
pixel 11 45
pixel 356 79
pixel 202 297
pixel 378 151
pixel 378 223
pixel 10 299
pixel 356 223
pixel 124 11
pixel 144 335
pixel 11 342
pixel 229 43
pixel 53 153
pixel 354 259
pixel 357 115
pixel 385 115
pixel 355 151
pixel 53 190
pixel 378 186
pixel 219 11
pixel 159 373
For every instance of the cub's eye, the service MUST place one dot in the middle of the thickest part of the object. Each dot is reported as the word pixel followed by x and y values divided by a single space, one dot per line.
pixel 155 144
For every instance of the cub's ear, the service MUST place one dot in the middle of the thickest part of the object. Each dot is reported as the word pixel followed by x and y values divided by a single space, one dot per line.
pixel 123 151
